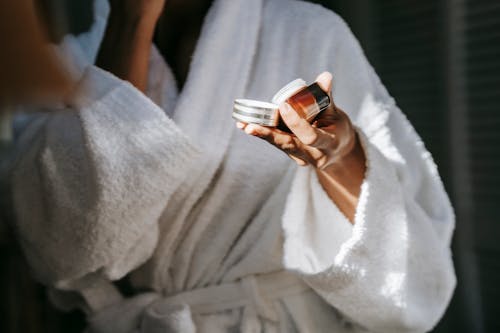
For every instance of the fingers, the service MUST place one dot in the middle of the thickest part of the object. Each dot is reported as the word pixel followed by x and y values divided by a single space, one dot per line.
pixel 325 81
pixel 305 132
pixel 297 160
pixel 281 140
pixel 275 137
pixel 289 144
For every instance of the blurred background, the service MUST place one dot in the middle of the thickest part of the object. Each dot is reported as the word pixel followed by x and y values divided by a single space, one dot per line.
pixel 440 59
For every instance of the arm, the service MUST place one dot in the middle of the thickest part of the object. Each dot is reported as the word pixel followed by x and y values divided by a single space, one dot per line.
pixel 330 145
pixel 92 183
pixel 93 180
pixel 125 49
pixel 342 180
pixel 392 270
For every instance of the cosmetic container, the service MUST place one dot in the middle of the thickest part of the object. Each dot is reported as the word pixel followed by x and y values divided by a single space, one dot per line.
pixel 307 100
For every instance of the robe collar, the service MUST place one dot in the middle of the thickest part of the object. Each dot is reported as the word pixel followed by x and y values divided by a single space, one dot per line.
pixel 219 72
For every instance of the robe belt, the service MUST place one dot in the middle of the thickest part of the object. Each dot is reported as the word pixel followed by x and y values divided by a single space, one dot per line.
pixel 150 312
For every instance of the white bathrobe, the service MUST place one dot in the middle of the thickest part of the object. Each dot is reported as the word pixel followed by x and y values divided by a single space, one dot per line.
pixel 165 188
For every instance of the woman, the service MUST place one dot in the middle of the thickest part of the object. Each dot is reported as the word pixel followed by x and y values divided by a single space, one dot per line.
pixel 219 230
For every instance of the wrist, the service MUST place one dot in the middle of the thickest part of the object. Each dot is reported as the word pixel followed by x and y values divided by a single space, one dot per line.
pixel 133 21
pixel 351 164
pixel 126 46
pixel 342 180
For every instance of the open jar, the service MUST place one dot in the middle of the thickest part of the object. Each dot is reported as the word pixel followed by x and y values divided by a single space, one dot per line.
pixel 307 100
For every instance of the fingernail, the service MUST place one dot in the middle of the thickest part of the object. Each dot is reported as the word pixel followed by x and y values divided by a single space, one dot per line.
pixel 328 75
pixel 239 125
pixel 250 129
pixel 284 106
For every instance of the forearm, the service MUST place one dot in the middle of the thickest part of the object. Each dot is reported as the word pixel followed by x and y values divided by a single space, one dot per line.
pixel 342 180
pixel 126 48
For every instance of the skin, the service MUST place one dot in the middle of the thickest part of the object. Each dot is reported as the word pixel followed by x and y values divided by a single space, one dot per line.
pixel 23 38
pixel 126 45
pixel 330 145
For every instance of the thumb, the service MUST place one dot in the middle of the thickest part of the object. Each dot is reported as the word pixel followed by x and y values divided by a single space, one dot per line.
pixel 324 81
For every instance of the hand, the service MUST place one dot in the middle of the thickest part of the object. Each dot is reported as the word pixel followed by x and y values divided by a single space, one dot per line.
pixel 322 144
pixel 330 145
pixel 138 9
pixel 126 46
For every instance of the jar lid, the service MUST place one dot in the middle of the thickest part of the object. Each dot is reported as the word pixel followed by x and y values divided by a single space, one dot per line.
pixel 288 90
pixel 256 112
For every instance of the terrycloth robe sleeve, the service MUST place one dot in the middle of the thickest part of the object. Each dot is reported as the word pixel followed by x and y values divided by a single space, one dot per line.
pixel 392 270
pixel 93 181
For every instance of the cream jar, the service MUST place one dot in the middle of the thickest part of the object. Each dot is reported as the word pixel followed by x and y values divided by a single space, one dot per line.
pixel 256 112
pixel 308 100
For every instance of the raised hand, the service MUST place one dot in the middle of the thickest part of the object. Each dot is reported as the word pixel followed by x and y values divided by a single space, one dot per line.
pixel 126 45
pixel 138 9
